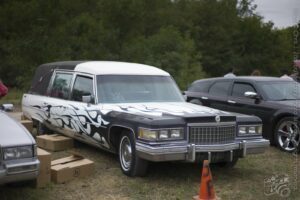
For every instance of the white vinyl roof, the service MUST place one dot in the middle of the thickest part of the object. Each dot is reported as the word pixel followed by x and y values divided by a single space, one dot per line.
pixel 118 68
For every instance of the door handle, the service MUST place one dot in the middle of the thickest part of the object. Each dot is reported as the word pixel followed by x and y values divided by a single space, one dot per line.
pixel 204 98
pixel 230 101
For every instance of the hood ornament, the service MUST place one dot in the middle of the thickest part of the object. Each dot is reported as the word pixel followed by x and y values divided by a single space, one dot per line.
pixel 218 119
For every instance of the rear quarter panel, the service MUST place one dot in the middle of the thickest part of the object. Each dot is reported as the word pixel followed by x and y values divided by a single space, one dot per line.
pixel 29 106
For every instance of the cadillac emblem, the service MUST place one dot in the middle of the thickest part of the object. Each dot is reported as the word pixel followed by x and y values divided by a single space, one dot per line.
pixel 218 119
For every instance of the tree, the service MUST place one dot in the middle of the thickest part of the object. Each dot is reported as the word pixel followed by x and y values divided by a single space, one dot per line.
pixel 169 50
pixel 190 39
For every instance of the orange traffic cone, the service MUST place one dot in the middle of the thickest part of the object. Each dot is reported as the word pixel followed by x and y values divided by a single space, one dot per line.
pixel 207 191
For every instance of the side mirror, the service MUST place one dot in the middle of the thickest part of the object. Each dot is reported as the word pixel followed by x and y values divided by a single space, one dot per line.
pixel 184 95
pixel 251 95
pixel 87 99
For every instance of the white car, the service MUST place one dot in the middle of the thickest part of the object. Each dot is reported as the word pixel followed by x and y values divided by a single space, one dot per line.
pixel 138 112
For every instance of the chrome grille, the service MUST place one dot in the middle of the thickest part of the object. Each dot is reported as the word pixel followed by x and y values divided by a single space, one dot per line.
pixel 213 133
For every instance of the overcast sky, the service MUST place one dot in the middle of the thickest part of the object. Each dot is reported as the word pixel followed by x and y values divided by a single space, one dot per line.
pixel 282 13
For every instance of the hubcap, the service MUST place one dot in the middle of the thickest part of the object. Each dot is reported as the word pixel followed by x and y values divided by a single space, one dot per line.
pixel 125 153
pixel 288 135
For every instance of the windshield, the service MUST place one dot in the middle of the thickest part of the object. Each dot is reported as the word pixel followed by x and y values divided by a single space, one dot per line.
pixel 137 88
pixel 279 91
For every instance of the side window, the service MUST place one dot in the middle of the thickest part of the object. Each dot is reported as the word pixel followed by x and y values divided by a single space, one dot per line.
pixel 61 85
pixel 220 88
pixel 83 86
pixel 239 89
pixel 201 86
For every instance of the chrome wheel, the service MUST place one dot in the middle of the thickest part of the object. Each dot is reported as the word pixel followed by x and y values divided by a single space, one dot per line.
pixel 288 135
pixel 125 153
pixel 130 163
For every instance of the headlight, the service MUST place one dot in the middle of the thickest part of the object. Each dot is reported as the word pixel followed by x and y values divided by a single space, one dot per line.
pixel 242 130
pixel 161 134
pixel 147 134
pixel 177 133
pixel 250 130
pixel 12 153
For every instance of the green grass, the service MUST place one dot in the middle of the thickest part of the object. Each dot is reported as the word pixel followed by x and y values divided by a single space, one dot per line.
pixel 14 96
pixel 164 180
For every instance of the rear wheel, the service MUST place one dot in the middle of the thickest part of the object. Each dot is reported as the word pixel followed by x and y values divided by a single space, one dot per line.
pixel 130 163
pixel 287 134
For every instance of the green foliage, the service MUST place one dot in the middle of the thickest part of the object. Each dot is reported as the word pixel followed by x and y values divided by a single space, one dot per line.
pixel 190 39
pixel 14 96
pixel 169 50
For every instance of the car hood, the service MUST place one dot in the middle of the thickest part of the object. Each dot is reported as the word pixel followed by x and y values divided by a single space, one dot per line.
pixel 12 133
pixel 183 109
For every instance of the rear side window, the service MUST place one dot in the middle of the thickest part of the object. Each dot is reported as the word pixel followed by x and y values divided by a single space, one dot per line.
pixel 83 86
pixel 220 88
pixel 41 80
pixel 61 85
pixel 201 86
pixel 239 89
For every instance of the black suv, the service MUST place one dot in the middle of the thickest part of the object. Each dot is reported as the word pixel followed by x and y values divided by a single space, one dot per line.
pixel 275 100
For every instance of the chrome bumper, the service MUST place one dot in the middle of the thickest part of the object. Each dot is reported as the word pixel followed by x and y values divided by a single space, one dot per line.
pixel 187 152
pixel 19 170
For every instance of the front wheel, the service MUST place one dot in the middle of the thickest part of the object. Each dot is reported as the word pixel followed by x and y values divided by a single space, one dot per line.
pixel 130 163
pixel 287 134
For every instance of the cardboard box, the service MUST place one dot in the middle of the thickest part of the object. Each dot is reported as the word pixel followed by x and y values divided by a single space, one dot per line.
pixel 28 124
pixel 68 168
pixel 44 176
pixel 54 142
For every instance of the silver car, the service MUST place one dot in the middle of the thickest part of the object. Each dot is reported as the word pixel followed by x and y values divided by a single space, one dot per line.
pixel 18 155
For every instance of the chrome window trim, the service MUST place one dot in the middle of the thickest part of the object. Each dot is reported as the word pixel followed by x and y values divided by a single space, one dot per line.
pixel 76 74
pixel 52 81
